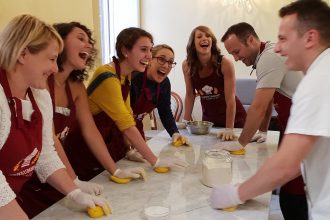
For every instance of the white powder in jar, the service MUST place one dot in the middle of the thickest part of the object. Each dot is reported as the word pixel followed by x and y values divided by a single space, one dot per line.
pixel 216 172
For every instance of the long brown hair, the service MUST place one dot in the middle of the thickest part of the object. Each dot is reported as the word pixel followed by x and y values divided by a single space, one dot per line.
pixel 192 58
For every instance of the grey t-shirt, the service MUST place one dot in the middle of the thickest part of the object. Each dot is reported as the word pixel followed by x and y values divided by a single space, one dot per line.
pixel 272 72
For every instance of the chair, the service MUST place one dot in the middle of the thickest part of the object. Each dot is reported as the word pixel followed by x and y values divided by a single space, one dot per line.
pixel 176 106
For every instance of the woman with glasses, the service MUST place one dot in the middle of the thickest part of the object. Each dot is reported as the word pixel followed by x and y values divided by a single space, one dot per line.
pixel 152 89
pixel 211 76
pixel 109 102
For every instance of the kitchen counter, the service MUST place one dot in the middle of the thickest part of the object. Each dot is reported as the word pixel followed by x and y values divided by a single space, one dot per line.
pixel 181 188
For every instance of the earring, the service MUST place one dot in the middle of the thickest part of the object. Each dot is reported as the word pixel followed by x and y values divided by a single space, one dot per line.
pixel 125 55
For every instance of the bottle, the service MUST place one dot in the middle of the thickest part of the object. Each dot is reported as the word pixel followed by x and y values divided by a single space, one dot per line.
pixel 216 168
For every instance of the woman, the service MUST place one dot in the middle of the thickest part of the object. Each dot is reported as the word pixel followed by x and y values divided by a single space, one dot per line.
pixel 211 76
pixel 109 101
pixel 28 53
pixel 70 103
pixel 152 89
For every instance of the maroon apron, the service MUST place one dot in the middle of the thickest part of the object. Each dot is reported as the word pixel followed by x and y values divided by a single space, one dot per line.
pixel 42 195
pixel 144 104
pixel 212 94
pixel 81 158
pixel 19 162
pixel 282 105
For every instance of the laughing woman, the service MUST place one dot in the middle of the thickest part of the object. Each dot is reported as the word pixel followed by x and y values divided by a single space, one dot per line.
pixel 109 102
pixel 211 76
pixel 28 52
pixel 152 89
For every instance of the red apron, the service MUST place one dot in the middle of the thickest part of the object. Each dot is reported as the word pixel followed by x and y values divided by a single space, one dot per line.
pixel 23 146
pixel 212 95
pixel 144 104
pixel 42 195
pixel 282 106
pixel 81 158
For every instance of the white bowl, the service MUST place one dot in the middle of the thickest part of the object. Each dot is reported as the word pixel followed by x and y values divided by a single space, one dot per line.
pixel 157 211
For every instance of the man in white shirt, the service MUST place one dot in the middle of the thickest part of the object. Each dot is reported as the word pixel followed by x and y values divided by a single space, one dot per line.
pixel 304 38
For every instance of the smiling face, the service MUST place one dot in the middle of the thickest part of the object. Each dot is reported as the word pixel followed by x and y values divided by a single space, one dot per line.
pixel 77 49
pixel 290 44
pixel 140 55
pixel 38 67
pixel 158 71
pixel 203 42
pixel 246 53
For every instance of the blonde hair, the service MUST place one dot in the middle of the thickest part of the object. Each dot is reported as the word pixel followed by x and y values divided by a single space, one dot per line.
pixel 158 47
pixel 25 31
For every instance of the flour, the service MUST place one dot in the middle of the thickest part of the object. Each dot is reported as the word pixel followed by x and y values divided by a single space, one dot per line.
pixel 216 171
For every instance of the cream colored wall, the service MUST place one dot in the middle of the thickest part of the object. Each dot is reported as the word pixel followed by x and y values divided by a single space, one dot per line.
pixel 53 11
pixel 172 21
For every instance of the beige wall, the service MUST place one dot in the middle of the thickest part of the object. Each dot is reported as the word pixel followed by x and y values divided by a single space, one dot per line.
pixel 53 11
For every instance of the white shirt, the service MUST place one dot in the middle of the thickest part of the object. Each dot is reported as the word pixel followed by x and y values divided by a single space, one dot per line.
pixel 48 161
pixel 310 115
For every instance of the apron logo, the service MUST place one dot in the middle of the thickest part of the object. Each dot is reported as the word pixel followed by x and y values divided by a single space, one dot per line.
pixel 28 161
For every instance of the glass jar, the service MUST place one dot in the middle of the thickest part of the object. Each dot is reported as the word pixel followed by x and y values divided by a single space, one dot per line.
pixel 216 168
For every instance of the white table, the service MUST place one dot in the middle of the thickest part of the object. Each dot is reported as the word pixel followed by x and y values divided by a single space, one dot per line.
pixel 182 189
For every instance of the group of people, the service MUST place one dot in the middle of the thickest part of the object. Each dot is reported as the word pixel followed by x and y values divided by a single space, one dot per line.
pixel 53 129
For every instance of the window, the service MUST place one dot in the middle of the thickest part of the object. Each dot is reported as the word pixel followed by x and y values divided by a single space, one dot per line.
pixel 116 15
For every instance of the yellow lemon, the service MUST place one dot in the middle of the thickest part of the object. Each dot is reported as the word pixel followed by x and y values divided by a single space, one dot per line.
pixel 230 209
pixel 98 211
pixel 238 152
pixel 161 169
pixel 120 180
pixel 178 142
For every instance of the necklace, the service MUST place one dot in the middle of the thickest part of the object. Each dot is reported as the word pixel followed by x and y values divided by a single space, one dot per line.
pixel 58 83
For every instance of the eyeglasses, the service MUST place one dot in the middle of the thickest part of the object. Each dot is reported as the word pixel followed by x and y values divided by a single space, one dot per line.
pixel 162 61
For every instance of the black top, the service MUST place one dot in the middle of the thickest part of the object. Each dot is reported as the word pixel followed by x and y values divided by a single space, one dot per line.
pixel 163 103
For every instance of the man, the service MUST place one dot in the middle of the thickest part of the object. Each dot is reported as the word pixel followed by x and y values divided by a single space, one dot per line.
pixel 275 84
pixel 304 38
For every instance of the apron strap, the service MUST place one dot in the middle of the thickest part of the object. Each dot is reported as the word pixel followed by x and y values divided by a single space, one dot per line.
pixel 98 80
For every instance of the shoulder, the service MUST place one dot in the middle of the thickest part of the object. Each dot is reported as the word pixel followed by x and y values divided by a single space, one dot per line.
pixel 227 67
pixel 5 115
pixel 185 67
pixel 44 102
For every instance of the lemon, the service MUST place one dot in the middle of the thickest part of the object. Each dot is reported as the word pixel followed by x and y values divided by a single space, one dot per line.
pixel 120 180
pixel 230 209
pixel 98 211
pixel 161 169
pixel 178 142
pixel 238 152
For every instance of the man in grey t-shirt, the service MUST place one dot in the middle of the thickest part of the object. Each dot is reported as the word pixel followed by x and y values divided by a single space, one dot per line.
pixel 275 86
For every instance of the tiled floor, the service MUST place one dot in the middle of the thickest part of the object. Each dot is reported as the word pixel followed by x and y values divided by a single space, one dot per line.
pixel 275 210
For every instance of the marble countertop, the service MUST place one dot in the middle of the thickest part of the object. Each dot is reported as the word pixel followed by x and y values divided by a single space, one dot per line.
pixel 181 188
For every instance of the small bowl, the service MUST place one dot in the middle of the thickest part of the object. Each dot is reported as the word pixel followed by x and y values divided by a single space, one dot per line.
pixel 199 127
pixel 157 211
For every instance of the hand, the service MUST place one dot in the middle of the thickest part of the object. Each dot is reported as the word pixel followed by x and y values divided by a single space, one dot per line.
pixel 89 201
pixel 227 134
pixel 134 155
pixel 225 196
pixel 229 146
pixel 134 173
pixel 171 162
pixel 179 140
pixel 259 137
pixel 88 187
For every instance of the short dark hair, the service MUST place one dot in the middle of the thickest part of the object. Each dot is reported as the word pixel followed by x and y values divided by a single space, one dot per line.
pixel 311 14
pixel 242 30
pixel 128 37
pixel 64 29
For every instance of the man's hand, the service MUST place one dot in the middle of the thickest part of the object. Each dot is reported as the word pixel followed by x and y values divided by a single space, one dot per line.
pixel 227 134
pixel 259 137
pixel 225 196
